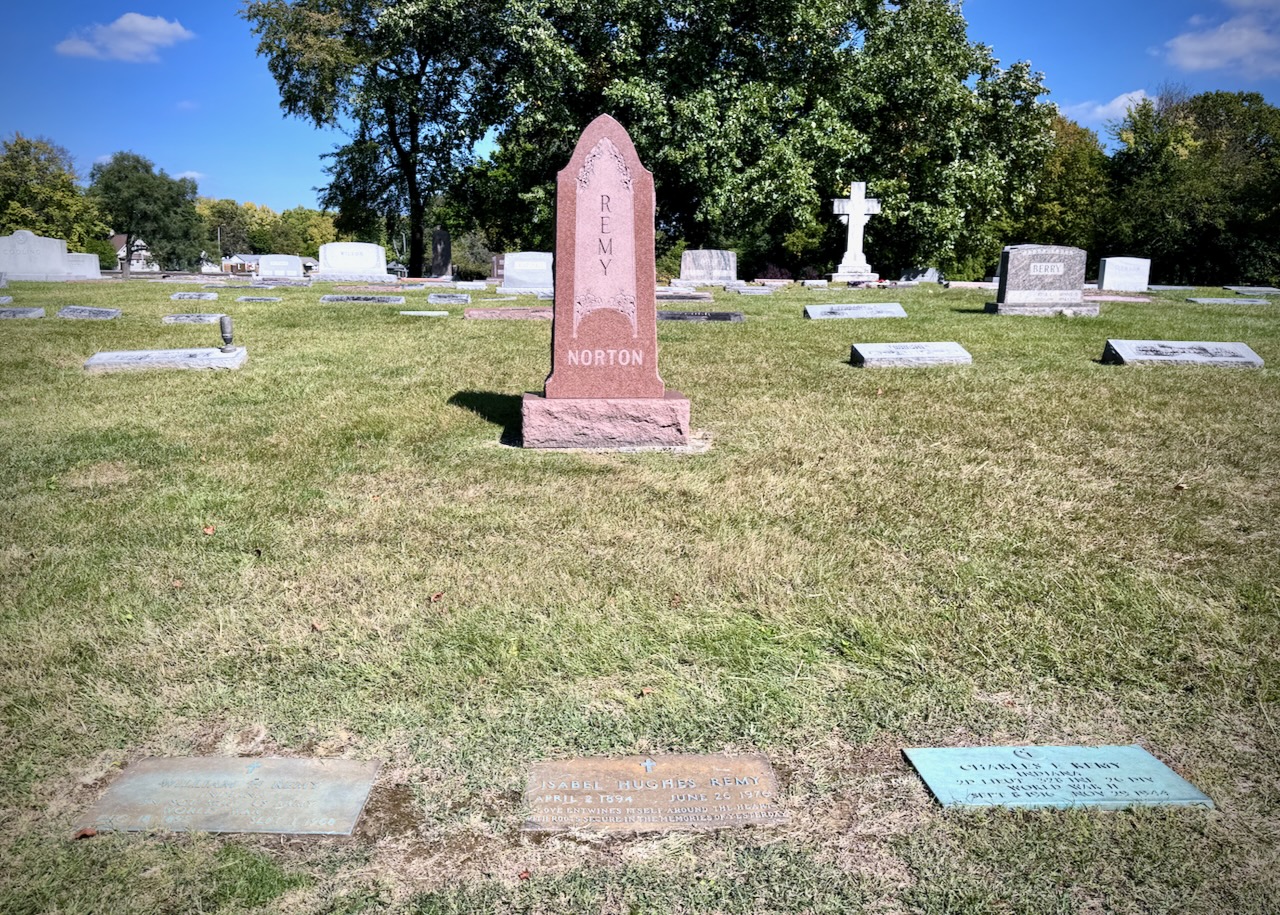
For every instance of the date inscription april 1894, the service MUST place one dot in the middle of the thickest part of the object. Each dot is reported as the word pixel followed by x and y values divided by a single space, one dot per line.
pixel 643 794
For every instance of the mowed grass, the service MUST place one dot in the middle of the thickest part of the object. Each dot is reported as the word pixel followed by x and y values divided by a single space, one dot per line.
pixel 333 552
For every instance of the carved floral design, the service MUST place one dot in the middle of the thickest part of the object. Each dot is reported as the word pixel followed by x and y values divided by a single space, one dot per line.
pixel 602 149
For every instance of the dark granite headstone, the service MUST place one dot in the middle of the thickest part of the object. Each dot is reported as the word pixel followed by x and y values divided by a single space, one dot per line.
pixel 700 317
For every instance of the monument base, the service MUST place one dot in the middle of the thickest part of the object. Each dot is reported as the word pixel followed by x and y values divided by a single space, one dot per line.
pixel 337 276
pixel 1046 309
pixel 855 277
pixel 606 422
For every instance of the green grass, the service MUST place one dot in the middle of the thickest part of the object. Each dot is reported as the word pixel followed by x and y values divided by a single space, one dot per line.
pixel 1033 549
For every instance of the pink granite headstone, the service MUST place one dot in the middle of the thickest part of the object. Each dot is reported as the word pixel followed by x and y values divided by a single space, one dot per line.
pixel 604 390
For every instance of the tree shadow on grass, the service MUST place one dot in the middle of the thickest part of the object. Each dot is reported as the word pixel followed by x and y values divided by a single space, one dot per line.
pixel 500 409
pixel 970 311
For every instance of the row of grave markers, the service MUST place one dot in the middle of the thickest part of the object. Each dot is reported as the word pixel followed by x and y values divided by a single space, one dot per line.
pixel 629 794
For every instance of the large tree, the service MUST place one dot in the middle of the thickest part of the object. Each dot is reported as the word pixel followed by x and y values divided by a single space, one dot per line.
pixel 148 206
pixel 39 192
pixel 413 80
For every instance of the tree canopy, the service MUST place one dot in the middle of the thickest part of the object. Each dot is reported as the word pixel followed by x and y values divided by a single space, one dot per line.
pixel 39 192
pixel 146 205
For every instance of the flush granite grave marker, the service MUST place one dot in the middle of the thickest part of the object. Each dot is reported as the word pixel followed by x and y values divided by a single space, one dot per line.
pixel 1041 280
pixel 702 317
pixel 258 298
pixel 604 390
pixel 473 285
pixel 445 298
pixel 908 355
pixel 289 796
pixel 1112 778
pixel 1239 300
pixel 708 267
pixel 148 359
pixel 750 290
pixel 192 319
pixel 534 313
pixel 1174 352
pixel 86 313
pixel 194 296
pixel 425 314
pixel 8 313
pixel 1124 274
pixel 872 310
pixel 642 794
pixel 375 299
pixel 1254 290
pixel 6 300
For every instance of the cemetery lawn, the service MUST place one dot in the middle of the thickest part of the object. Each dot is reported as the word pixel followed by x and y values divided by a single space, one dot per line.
pixel 332 552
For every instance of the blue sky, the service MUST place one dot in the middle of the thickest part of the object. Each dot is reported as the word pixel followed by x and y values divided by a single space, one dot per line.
pixel 181 84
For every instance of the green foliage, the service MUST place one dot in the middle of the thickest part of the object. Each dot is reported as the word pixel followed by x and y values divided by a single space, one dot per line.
pixel 39 193
pixel 146 205
pixel 1197 187
pixel 252 229
pixel 472 258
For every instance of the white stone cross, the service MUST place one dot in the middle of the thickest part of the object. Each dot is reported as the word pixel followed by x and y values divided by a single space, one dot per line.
pixel 856 211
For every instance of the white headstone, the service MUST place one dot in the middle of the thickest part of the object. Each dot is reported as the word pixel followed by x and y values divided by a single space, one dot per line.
pixel 855 211
pixel 84 266
pixel 528 272
pixel 27 256
pixel 289 265
pixel 353 260
pixel 1124 274
pixel 708 267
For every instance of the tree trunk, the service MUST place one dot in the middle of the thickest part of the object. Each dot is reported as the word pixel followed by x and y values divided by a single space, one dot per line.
pixel 128 256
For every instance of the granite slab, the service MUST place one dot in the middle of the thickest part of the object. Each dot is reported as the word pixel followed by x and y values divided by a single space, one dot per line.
pixel 373 299
pixel 1109 777
pixel 425 314
pixel 445 298
pixel 473 285
pixel 1179 352
pixel 6 300
pixel 814 284
pixel 1081 310
pixel 7 313
pixel 644 794
pixel 258 298
pixel 236 795
pixel 192 319
pixel 86 313
pixel 149 359
pixel 530 313
pixel 1254 290
pixel 750 290
pixel 1160 288
pixel 908 355
pixel 701 317
pixel 871 310
pixel 194 296
pixel 1238 300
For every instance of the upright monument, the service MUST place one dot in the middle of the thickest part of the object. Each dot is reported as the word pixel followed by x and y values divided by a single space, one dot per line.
pixel 604 390
pixel 856 211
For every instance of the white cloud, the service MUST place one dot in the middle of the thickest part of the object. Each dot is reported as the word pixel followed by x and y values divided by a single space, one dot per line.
pixel 1101 112
pixel 194 176
pixel 1248 43
pixel 133 38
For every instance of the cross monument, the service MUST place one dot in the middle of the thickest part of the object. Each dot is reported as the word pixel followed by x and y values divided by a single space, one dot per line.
pixel 855 211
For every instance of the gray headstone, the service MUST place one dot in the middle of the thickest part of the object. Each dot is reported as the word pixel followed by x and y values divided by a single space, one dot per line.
pixel 441 253
pixel 872 310
pixel 194 296
pixel 1238 300
pixel 708 266
pixel 1124 274
pixel 376 299
pixel 258 298
pixel 1165 352
pixel 1042 280
pixel 815 284
pixel 750 290
pixel 145 359
pixel 922 275
pixel 527 272
pixel 445 298
pixel 85 313
pixel 1111 778
pixel 192 319
pixel 289 796
pixel 643 794
pixel 1254 290
pixel 280 266
pixel 700 317
pixel 6 313
pixel 425 314
pixel 877 355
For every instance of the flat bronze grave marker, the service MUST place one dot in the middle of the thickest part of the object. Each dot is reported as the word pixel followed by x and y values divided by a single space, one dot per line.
pixel 1111 778
pixel 291 796
pixel 642 794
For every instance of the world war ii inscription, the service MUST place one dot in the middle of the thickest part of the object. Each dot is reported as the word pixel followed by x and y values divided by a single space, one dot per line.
pixel 644 794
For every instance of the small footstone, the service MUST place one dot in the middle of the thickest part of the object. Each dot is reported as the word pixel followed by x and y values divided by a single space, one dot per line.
pixel 264 795
pixel 1236 301
pixel 1111 778
pixel 147 359
pixel 258 298
pixel 446 298
pixel 908 355
pixel 702 317
pixel 642 794
pixel 1167 352
pixel 192 319
pixel 425 314
pixel 375 299
pixel 6 300
pixel 194 296
pixel 872 310
pixel 1254 290
pixel 750 290
pixel 85 313
pixel 815 284
pixel 508 314
pixel 6 313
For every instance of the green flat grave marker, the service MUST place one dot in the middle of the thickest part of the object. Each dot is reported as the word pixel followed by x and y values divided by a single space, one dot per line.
pixel 292 796
pixel 1109 777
